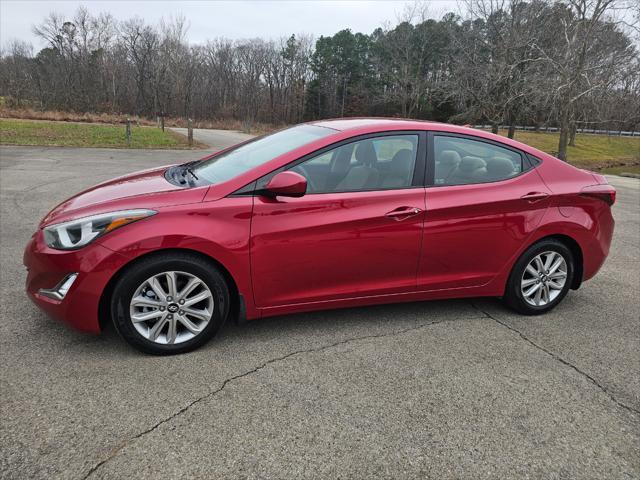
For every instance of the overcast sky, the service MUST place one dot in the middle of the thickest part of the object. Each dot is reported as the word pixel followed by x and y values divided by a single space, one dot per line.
pixel 233 19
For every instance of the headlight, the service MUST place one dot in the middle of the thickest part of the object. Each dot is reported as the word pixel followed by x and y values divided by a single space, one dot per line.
pixel 78 233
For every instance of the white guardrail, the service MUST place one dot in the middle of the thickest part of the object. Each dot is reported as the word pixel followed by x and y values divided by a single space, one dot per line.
pixel 591 131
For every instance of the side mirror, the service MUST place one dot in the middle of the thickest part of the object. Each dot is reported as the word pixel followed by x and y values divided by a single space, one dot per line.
pixel 286 184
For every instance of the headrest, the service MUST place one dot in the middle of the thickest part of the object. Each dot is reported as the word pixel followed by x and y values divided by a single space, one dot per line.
pixel 402 159
pixel 449 157
pixel 343 157
pixel 500 167
pixel 365 153
pixel 469 164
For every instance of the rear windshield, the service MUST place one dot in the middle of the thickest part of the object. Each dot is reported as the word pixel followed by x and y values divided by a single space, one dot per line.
pixel 241 159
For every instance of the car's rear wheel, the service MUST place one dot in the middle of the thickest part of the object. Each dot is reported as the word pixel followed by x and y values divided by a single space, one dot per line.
pixel 170 304
pixel 541 278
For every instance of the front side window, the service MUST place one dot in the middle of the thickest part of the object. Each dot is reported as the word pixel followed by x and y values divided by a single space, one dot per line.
pixel 463 161
pixel 381 163
pixel 243 158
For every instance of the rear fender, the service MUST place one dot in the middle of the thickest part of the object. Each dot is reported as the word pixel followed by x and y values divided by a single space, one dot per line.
pixel 554 224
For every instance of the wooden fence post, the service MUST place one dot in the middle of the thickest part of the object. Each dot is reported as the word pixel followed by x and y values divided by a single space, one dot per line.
pixel 128 131
pixel 190 131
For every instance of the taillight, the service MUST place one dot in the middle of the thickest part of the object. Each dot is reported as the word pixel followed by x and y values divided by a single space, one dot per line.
pixel 606 193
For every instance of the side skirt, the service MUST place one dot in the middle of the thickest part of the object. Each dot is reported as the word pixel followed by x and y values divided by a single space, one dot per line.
pixel 466 292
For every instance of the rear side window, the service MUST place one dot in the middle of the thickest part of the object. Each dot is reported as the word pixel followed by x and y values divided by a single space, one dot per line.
pixel 463 161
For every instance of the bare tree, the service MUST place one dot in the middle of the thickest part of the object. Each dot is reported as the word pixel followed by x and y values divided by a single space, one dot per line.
pixel 403 53
pixel 566 63
pixel 493 59
pixel 584 59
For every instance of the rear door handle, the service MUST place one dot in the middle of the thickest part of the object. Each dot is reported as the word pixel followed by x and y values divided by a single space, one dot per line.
pixel 533 197
pixel 403 212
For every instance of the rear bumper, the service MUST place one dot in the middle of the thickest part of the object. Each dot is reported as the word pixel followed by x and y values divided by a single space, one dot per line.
pixel 597 248
pixel 46 267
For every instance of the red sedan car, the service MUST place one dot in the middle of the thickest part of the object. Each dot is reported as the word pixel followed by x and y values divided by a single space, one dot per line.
pixel 327 214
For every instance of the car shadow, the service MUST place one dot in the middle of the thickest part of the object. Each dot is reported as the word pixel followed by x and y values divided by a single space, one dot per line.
pixel 336 323
pixel 389 316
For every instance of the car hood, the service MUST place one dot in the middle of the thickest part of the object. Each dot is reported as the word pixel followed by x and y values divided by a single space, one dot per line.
pixel 145 189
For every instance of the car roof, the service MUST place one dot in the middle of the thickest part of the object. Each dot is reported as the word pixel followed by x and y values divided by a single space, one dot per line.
pixel 345 124
pixel 371 125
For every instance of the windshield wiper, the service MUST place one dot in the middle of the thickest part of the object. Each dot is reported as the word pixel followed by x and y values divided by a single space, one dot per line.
pixel 191 172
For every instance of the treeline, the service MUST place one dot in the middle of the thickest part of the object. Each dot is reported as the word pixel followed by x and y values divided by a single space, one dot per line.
pixel 565 63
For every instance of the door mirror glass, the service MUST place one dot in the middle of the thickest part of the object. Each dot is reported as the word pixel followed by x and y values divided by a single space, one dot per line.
pixel 287 184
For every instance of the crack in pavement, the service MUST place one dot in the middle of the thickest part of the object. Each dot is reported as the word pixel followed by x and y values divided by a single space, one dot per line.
pixel 225 382
pixel 559 359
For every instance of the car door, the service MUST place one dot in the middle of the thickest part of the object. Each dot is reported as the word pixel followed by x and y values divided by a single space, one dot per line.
pixel 357 231
pixel 483 201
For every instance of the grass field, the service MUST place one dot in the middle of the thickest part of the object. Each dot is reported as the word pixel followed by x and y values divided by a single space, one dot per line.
pixel 596 152
pixel 65 134
pixel 609 154
pixel 257 128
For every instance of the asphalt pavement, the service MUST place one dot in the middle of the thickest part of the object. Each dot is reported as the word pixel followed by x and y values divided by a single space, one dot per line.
pixel 451 389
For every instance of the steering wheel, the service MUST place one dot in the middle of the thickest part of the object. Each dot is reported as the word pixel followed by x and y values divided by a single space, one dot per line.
pixel 310 183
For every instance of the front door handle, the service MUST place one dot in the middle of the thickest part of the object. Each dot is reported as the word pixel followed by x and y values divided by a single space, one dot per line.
pixel 403 212
pixel 533 197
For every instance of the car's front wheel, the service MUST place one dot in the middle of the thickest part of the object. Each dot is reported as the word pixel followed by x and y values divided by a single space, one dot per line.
pixel 541 278
pixel 170 304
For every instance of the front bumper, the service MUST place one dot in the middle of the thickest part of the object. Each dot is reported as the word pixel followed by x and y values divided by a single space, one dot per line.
pixel 94 265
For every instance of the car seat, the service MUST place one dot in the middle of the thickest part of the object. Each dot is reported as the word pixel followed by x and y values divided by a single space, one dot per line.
pixel 499 168
pixel 447 164
pixel 470 170
pixel 364 175
pixel 401 171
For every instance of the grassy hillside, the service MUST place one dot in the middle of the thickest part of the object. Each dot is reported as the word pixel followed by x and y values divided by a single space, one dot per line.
pixel 598 152
pixel 64 134
pixel 119 119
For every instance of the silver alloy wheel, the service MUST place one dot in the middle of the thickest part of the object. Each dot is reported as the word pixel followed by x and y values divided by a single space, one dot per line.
pixel 171 307
pixel 544 278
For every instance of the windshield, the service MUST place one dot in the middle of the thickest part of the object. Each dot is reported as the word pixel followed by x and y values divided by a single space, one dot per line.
pixel 258 152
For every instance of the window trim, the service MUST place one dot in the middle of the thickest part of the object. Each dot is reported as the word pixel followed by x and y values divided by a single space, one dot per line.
pixel 419 168
pixel 431 159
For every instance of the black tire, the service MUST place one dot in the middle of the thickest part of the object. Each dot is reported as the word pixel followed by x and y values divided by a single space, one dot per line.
pixel 514 297
pixel 146 268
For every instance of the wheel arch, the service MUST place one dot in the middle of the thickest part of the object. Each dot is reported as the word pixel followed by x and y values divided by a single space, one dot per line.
pixel 104 305
pixel 576 251
pixel 578 257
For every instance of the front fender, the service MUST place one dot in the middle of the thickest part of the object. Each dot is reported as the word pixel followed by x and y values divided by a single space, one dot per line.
pixel 220 230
